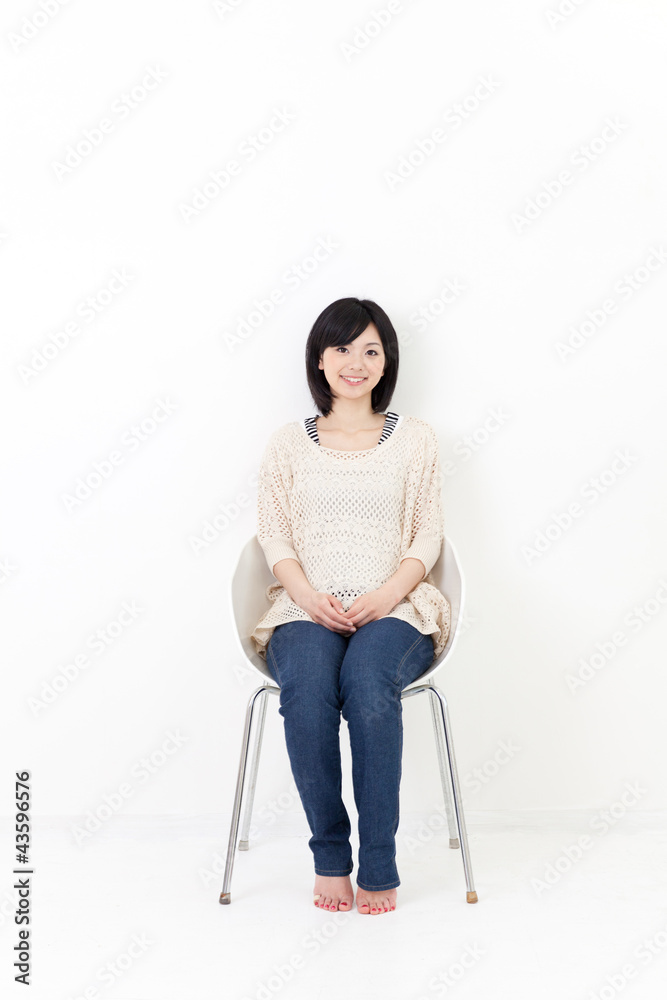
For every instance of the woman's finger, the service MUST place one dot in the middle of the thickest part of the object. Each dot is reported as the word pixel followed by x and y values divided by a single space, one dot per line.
pixel 336 626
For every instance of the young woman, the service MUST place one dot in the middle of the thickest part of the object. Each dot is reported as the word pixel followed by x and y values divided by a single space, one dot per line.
pixel 350 521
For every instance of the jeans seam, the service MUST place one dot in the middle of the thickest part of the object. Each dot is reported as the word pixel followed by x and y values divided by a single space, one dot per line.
pixel 405 656
pixel 273 660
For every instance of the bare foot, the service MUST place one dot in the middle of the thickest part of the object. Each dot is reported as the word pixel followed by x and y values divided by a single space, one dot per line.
pixel 333 892
pixel 376 902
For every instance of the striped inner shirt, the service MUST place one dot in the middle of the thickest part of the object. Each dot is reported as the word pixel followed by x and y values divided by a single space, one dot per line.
pixel 390 422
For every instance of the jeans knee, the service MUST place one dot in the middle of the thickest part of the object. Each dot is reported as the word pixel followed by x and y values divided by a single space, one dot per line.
pixel 312 707
pixel 372 700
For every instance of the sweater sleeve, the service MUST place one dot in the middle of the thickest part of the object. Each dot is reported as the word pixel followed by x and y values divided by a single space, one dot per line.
pixel 427 529
pixel 274 531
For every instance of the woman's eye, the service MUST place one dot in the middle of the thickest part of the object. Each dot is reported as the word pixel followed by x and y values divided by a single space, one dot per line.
pixel 372 349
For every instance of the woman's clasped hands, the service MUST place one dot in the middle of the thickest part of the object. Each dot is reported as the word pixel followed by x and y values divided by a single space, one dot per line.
pixel 327 610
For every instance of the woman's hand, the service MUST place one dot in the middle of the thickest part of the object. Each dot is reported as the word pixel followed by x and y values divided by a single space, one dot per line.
pixel 325 609
pixel 368 607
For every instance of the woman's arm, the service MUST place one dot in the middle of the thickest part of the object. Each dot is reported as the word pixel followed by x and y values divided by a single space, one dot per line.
pixel 290 574
pixel 274 533
pixel 425 541
pixel 426 509
pixel 410 572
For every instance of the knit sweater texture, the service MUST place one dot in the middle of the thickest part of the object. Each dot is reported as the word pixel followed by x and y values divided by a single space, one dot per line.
pixel 350 518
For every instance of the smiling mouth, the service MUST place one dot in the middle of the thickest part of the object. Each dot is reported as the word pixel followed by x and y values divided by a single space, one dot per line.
pixel 356 381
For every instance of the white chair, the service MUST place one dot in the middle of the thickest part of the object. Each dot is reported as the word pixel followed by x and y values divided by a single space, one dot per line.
pixel 249 602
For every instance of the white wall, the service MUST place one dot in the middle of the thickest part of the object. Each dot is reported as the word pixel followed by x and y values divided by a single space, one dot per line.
pixel 168 335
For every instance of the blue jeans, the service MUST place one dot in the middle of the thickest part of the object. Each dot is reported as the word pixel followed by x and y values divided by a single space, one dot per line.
pixel 322 673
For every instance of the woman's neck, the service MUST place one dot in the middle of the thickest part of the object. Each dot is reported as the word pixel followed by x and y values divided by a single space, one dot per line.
pixel 350 419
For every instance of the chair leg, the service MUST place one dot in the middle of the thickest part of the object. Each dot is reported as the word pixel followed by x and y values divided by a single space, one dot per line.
pixel 444 773
pixel 254 767
pixel 435 692
pixel 225 895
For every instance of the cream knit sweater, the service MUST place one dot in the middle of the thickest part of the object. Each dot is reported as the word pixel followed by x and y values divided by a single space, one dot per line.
pixel 349 518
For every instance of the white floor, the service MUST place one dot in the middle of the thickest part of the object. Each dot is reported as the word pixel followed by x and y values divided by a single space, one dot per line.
pixel 133 914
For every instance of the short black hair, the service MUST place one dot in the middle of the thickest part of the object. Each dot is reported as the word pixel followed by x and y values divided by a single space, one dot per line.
pixel 339 324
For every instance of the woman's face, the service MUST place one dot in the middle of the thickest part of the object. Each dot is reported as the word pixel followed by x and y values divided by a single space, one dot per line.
pixel 363 358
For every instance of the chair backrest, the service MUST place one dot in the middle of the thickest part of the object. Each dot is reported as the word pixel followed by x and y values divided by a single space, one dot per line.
pixel 448 578
pixel 249 602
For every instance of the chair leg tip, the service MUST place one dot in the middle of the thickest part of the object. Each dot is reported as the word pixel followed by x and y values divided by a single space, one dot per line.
pixel 454 842
pixel 471 897
pixel 243 845
pixel 225 897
